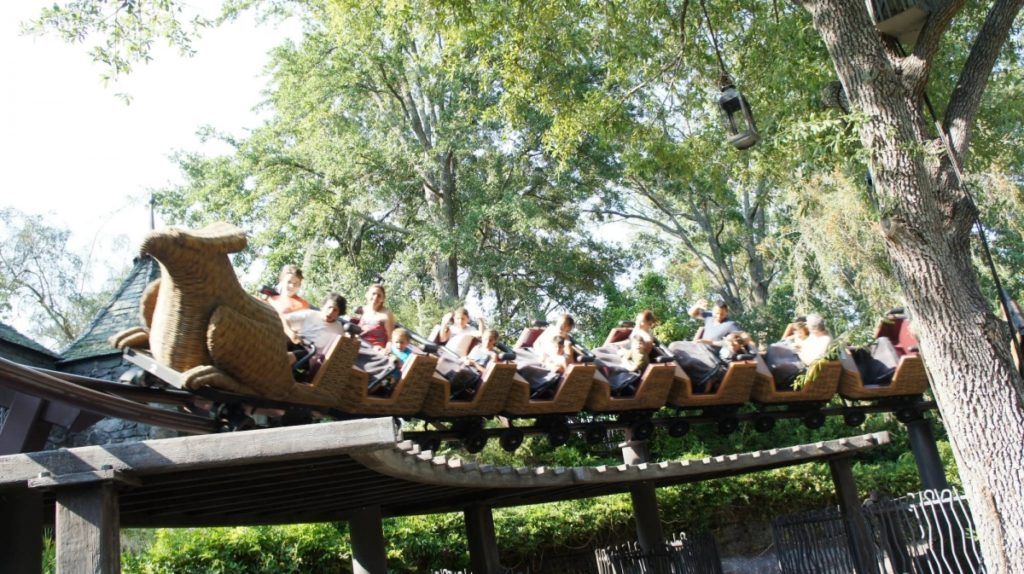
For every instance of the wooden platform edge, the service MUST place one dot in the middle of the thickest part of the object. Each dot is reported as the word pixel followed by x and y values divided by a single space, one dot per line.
pixel 404 462
pixel 205 451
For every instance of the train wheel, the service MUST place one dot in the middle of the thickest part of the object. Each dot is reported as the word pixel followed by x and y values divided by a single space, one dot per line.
pixel 678 428
pixel 474 441
pixel 595 434
pixel 232 417
pixel 558 434
pixel 510 439
pixel 814 420
pixel 764 423
pixel 907 414
pixel 431 443
pixel 641 430
pixel 854 419
pixel 727 425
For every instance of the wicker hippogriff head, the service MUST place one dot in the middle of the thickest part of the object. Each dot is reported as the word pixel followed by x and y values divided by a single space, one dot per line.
pixel 201 314
pixel 173 246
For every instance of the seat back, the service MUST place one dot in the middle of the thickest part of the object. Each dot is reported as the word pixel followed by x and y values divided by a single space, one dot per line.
pixel 618 335
pixel 528 337
pixel 897 329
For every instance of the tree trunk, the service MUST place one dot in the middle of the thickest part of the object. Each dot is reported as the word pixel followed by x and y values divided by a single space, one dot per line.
pixel 926 221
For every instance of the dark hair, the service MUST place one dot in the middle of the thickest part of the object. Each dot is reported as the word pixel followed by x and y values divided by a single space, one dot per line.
pixel 721 305
pixel 648 315
pixel 568 320
pixel 338 301
pixel 290 270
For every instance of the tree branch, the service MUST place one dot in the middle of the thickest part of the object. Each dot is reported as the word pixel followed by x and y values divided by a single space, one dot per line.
pixel 966 98
pixel 916 65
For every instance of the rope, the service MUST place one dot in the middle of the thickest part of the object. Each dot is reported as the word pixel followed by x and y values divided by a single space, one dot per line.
pixel 714 42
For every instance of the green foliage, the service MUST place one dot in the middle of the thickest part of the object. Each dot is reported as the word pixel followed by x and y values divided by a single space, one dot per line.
pixel 265 549
pixel 122 33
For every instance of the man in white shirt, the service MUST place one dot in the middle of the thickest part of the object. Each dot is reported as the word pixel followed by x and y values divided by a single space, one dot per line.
pixel 816 344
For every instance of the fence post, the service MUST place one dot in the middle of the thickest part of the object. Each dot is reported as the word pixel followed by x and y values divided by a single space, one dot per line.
pixel 861 549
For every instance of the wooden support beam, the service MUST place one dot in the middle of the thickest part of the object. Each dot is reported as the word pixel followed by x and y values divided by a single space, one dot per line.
pixel 483 542
pixel 88 530
pixel 644 496
pixel 21 531
pixel 926 454
pixel 205 451
pixel 24 428
pixel 849 506
pixel 369 556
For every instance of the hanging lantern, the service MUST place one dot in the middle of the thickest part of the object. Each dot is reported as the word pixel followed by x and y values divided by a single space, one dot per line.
pixel 736 117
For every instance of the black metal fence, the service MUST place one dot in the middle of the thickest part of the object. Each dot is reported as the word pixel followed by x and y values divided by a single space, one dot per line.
pixel 683 555
pixel 930 532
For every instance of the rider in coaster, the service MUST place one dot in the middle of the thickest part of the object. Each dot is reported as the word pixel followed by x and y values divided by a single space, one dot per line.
pixel 638 355
pixel 645 321
pixel 815 345
pixel 317 328
pixel 717 324
pixel 287 300
pixel 546 344
pixel 377 321
pixel 484 353
pixel 456 332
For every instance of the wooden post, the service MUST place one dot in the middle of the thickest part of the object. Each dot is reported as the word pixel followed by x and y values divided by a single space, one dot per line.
pixel 483 544
pixel 21 531
pixel 366 531
pixel 849 505
pixel 88 530
pixel 644 497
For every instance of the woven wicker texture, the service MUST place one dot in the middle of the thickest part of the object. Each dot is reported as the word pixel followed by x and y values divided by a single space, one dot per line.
pixel 406 397
pixel 136 338
pixel 734 390
pixel 489 399
pixel 332 378
pixel 238 347
pixel 822 388
pixel 147 303
pixel 910 379
pixel 196 279
pixel 570 397
pixel 650 395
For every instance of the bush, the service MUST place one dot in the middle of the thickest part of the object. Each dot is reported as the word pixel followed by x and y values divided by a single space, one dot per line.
pixel 293 549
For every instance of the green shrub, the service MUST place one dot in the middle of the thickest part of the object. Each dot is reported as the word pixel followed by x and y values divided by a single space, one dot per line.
pixel 293 549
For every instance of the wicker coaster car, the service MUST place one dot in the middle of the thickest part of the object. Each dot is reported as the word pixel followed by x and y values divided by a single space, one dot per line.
pixel 489 391
pixel 820 384
pixel 199 322
pixel 568 397
pixel 734 388
pixel 890 367
pixel 648 391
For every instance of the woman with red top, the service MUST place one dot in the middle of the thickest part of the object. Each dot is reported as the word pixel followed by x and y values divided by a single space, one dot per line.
pixel 288 283
pixel 377 321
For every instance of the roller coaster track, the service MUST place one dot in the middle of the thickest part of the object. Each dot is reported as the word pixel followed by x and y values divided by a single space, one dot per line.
pixel 104 398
